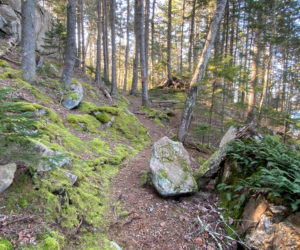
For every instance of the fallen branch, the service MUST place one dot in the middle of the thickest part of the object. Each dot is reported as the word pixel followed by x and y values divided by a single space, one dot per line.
pixel 136 217
pixel 5 223
pixel 10 60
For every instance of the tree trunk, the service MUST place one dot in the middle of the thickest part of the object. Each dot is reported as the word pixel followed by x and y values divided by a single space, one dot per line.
pixel 191 40
pixel 71 44
pixel 127 46
pixel 105 40
pixel 147 13
pixel 98 64
pixel 181 38
pixel 199 72
pixel 113 48
pixel 152 42
pixel 28 40
pixel 169 40
pixel 134 85
pixel 83 38
pixel 254 72
pixel 144 70
pixel 78 59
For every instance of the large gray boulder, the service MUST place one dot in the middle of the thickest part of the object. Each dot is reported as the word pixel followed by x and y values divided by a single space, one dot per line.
pixel 170 168
pixel 73 99
pixel 7 173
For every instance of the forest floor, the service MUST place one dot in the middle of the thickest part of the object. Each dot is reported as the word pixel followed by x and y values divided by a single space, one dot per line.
pixel 149 221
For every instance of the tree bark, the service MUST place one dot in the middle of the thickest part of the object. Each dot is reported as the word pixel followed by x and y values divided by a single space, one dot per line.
pixel 147 13
pixel 83 38
pixel 78 59
pixel 199 72
pixel 98 64
pixel 181 38
pixel 113 49
pixel 105 40
pixel 28 40
pixel 127 46
pixel 71 44
pixel 134 87
pixel 254 72
pixel 191 39
pixel 144 70
pixel 169 44
pixel 152 42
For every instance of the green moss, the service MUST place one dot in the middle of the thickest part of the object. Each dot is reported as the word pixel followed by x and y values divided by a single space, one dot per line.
pixel 11 74
pixel 3 63
pixel 89 89
pixel 204 167
pixel 156 115
pixel 36 92
pixel 73 96
pixel 5 245
pixel 87 107
pixel 131 128
pixel 89 122
pixel 50 244
pixel 163 173
pixel 23 203
pixel 103 117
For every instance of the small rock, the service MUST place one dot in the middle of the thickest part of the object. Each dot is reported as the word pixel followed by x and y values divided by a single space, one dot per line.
pixel 72 177
pixel 55 159
pixel 75 96
pixel 7 173
pixel 163 224
pixel 115 245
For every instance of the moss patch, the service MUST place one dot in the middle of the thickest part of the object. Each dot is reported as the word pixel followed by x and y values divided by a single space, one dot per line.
pixel 5 245
pixel 84 123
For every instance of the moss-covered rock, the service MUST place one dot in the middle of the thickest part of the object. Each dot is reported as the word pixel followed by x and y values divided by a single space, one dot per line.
pixel 84 123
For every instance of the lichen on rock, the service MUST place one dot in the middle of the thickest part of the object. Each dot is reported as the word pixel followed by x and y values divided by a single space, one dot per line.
pixel 170 168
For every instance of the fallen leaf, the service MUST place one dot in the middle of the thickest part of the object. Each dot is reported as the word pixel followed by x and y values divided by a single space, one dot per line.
pixel 162 224
pixel 199 241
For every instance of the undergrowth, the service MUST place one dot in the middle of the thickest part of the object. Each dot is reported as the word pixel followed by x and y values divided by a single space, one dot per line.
pixel 264 166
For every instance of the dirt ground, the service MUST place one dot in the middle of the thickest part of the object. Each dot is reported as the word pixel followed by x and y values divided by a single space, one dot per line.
pixel 153 222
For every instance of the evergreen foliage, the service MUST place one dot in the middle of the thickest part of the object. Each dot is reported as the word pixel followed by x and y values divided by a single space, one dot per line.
pixel 56 38
pixel 266 166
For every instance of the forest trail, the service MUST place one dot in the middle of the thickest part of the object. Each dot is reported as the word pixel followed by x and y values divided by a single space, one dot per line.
pixel 150 221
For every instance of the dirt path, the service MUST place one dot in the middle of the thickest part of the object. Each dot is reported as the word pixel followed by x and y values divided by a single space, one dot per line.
pixel 152 222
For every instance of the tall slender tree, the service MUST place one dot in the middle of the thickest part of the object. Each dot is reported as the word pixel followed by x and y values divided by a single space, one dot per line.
pixel 127 46
pixel 105 40
pixel 144 69
pixel 28 40
pixel 83 48
pixel 98 64
pixel 199 72
pixel 134 84
pixel 191 39
pixel 113 48
pixel 169 43
pixel 71 44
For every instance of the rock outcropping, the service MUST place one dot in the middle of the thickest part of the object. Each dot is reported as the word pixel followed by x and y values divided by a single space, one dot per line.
pixel 270 226
pixel 10 22
pixel 170 168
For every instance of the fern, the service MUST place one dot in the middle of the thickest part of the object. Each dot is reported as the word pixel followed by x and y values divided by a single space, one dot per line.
pixel 267 166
